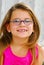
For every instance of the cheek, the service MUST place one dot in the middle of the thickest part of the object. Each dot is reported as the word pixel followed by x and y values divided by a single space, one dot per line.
pixel 12 27
pixel 31 28
pixel 13 30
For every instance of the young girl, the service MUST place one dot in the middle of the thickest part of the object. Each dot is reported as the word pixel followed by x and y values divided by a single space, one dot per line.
pixel 21 31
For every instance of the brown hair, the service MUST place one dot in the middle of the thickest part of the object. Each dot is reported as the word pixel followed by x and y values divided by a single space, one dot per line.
pixel 7 36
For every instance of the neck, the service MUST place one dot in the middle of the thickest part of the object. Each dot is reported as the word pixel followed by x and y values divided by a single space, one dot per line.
pixel 18 46
pixel 19 41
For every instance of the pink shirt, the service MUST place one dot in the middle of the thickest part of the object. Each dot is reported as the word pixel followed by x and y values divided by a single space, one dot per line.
pixel 11 59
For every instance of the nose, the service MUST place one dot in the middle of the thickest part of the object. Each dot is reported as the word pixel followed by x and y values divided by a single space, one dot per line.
pixel 22 23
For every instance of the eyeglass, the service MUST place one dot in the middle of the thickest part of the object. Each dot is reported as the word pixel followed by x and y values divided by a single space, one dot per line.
pixel 18 21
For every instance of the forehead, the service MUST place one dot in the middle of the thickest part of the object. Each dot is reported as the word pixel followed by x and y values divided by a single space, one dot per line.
pixel 19 13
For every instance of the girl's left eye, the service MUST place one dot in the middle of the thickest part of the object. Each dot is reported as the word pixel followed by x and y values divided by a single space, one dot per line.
pixel 27 21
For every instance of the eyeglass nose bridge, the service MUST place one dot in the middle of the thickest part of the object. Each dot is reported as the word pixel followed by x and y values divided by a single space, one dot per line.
pixel 22 21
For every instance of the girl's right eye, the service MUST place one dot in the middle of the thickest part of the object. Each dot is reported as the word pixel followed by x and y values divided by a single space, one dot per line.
pixel 16 20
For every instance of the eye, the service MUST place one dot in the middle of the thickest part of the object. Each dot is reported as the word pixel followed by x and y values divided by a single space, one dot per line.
pixel 16 20
pixel 28 20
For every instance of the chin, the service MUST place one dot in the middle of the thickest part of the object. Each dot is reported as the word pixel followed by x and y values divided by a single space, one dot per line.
pixel 23 36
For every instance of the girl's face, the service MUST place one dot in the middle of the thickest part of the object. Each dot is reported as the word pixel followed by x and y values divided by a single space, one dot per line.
pixel 21 24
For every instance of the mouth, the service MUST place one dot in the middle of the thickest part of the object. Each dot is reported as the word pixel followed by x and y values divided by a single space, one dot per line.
pixel 22 30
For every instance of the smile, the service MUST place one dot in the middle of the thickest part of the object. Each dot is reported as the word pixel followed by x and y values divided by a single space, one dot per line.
pixel 22 30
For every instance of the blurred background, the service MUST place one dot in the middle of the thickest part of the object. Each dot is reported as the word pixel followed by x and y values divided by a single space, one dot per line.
pixel 36 5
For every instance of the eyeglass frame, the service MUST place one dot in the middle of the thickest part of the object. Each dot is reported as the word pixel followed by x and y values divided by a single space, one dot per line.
pixel 24 21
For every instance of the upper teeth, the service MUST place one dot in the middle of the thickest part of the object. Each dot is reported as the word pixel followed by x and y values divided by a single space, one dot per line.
pixel 21 30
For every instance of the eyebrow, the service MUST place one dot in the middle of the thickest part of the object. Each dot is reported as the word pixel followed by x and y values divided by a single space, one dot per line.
pixel 20 19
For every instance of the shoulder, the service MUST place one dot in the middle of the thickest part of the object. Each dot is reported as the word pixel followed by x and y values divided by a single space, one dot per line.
pixel 41 55
pixel 40 59
pixel 4 51
pixel 41 51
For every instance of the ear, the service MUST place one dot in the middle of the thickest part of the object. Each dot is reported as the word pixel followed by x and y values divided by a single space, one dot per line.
pixel 8 27
pixel 33 30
